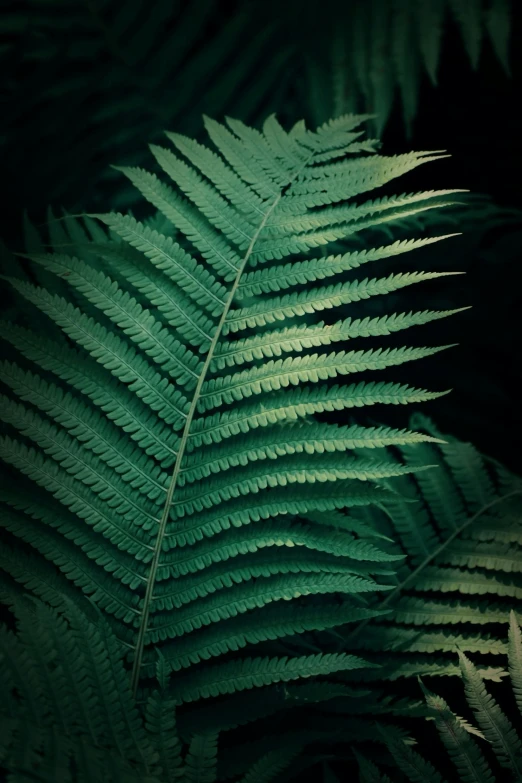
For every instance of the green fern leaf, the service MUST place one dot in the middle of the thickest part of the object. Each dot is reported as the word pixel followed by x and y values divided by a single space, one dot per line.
pixel 368 771
pixel 515 658
pixel 78 716
pixel 458 527
pixel 498 25
pixel 163 472
pixel 462 748
pixel 458 735
pixel 409 761
pixel 269 766
pixel 496 727
pixel 376 47
pixel 201 759
pixel 161 725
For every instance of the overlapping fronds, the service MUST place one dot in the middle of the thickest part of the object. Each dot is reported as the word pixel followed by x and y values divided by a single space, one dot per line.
pixel 469 748
pixel 167 461
pixel 461 536
pixel 67 712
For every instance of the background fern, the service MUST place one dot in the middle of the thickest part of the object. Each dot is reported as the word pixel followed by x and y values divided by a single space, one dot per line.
pixel 461 535
pixel 470 748
pixel 107 76
pixel 78 720
pixel 374 51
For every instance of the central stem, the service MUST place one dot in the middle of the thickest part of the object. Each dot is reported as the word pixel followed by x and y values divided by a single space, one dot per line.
pixel 430 558
pixel 147 601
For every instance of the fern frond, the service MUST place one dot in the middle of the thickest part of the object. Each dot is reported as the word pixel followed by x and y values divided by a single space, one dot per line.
pixel 368 771
pixel 379 49
pixel 271 623
pixel 299 338
pixel 161 726
pixel 291 306
pixel 496 727
pixel 84 708
pixel 68 713
pixel 291 440
pixel 458 735
pixel 458 527
pixel 117 402
pixel 201 759
pixel 113 353
pixel 409 761
pixel 250 673
pixel 306 401
pixel 164 474
pixel 515 658
pixel 269 766
pixel 462 748
pixel 159 61
pixel 412 640
pixel 293 371
pixel 171 259
pixel 87 425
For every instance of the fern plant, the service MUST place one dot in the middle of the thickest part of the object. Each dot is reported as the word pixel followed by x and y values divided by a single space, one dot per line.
pixel 463 742
pixel 68 714
pixel 374 49
pixel 173 468
pixel 459 526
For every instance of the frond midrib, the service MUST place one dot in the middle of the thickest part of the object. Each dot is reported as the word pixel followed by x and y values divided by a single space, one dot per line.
pixel 177 466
